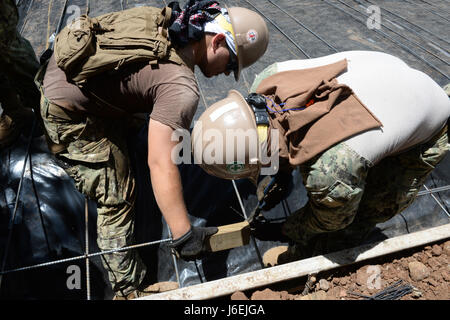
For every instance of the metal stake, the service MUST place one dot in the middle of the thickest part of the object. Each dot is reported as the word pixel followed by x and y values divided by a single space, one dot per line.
pixel 245 215
pixel 174 259
pixel 86 233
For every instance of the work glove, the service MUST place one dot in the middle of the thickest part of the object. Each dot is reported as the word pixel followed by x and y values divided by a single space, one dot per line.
pixel 268 231
pixel 192 244
pixel 272 189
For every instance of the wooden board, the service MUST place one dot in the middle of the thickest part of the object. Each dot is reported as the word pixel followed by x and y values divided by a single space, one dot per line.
pixel 230 236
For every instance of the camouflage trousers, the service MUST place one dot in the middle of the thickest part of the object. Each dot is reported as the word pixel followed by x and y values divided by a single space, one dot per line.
pixel 96 157
pixel 348 197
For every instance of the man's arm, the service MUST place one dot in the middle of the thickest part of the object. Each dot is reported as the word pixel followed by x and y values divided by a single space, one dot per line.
pixel 166 181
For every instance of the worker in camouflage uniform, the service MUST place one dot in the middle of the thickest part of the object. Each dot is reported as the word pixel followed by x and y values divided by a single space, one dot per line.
pixel 364 129
pixel 87 126
pixel 18 65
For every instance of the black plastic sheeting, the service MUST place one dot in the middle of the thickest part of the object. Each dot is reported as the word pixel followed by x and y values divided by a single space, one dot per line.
pixel 56 231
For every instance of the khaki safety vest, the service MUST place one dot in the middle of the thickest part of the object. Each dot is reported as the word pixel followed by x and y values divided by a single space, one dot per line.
pixel 91 46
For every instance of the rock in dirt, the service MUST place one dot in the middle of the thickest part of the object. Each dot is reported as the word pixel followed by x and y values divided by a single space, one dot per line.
pixel 416 293
pixel 436 250
pixel 238 295
pixel 432 282
pixel 367 276
pixel 319 295
pixel 268 294
pixel 446 248
pixel 434 263
pixel 418 271
pixel 446 275
pixel 324 285
pixel 361 276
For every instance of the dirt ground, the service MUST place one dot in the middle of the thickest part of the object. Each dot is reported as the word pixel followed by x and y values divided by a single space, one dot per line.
pixel 426 269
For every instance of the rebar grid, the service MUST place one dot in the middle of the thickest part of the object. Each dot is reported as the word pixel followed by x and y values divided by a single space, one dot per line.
pixel 88 255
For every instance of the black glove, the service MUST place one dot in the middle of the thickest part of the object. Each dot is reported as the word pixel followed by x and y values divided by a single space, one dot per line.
pixel 268 231
pixel 272 189
pixel 192 244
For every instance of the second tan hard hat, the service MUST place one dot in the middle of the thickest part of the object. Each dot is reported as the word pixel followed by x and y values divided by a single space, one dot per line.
pixel 225 142
pixel 251 36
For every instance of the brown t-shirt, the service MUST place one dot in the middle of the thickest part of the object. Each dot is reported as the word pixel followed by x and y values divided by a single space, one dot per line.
pixel 169 92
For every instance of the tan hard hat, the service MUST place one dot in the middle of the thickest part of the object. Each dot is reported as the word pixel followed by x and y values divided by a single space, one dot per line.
pixel 225 142
pixel 251 36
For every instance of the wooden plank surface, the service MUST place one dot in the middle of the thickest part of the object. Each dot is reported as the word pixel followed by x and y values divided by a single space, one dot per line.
pixel 230 236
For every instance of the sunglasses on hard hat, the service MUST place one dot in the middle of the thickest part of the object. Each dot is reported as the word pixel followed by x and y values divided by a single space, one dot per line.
pixel 232 64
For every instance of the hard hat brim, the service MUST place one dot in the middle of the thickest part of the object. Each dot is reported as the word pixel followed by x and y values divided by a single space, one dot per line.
pixel 237 72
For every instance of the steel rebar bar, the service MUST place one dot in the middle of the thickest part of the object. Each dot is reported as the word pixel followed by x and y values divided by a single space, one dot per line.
pixel 430 11
pixel 279 29
pixel 86 239
pixel 252 238
pixel 90 255
pixel 303 25
pixel 393 40
pixel 399 34
pixel 411 23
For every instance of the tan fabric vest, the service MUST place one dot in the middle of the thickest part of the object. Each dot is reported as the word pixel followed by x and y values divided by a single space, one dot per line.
pixel 90 46
pixel 330 113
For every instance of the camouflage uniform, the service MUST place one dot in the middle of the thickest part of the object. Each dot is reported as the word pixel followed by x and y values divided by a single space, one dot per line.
pixel 94 153
pixel 347 197
pixel 97 159
pixel 18 66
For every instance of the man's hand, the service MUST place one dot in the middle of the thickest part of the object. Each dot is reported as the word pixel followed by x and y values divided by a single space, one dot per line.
pixel 192 245
pixel 272 189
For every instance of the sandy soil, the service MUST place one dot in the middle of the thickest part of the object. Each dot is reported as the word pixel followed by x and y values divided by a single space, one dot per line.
pixel 426 269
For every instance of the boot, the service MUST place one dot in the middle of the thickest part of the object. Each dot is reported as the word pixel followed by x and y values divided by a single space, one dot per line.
pixel 299 250
pixel 152 289
pixel 285 254
pixel 293 253
pixel 270 257
pixel 326 243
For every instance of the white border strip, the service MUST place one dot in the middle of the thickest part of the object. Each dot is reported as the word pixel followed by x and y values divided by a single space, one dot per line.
pixel 301 268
